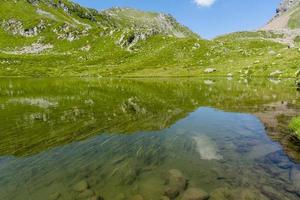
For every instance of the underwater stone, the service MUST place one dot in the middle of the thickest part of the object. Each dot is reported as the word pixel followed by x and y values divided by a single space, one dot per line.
pixel 236 194
pixel 55 196
pixel 271 193
pixel 96 198
pixel 280 159
pixel 86 193
pixel 176 183
pixel 295 178
pixel 137 197
pixel 121 197
pixel 172 192
pixel 81 186
pixel 195 194
pixel 221 193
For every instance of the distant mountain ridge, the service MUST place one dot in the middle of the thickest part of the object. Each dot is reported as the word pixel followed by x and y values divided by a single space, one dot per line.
pixel 77 21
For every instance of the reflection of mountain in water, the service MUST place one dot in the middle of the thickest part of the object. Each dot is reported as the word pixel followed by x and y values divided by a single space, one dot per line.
pixel 117 166
pixel 43 113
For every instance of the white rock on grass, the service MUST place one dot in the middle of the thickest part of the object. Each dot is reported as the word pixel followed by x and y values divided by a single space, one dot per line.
pixel 210 70
pixel 297 73
pixel 276 73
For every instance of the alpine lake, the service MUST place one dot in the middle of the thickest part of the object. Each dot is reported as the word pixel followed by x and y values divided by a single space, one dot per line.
pixel 148 139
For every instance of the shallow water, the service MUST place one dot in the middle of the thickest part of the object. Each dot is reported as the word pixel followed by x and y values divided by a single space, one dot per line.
pixel 122 138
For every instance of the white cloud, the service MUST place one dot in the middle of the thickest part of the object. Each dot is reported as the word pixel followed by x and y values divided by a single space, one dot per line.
pixel 206 3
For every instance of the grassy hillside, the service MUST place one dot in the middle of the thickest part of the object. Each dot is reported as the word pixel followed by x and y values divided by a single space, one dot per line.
pixel 61 38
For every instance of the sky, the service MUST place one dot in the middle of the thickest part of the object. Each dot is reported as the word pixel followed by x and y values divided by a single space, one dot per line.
pixel 208 18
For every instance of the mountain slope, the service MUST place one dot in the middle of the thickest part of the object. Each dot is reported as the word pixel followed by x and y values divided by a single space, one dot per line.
pixel 61 38
pixel 287 16
pixel 286 22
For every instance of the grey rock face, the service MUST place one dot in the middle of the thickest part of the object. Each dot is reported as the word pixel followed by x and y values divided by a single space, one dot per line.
pixel 285 5
pixel 35 48
pixel 70 33
pixel 15 27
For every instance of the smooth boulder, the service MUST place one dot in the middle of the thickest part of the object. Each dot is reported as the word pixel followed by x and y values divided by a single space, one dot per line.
pixel 81 186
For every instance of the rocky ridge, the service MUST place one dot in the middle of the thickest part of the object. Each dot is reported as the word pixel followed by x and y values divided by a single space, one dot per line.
pixel 279 24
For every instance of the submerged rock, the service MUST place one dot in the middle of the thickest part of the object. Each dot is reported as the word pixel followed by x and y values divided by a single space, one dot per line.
pixel 221 194
pixel 164 198
pixel 137 197
pixel 81 186
pixel 95 198
pixel 177 178
pixel 237 194
pixel 176 183
pixel 121 197
pixel 195 194
pixel 271 193
pixel 280 159
pixel 86 194
pixel 171 192
pixel 55 196
pixel 295 178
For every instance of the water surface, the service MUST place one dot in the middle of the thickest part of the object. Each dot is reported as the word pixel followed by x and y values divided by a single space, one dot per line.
pixel 123 137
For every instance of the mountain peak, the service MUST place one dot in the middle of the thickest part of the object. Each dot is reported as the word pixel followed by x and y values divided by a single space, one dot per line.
pixel 287 16
pixel 158 22
pixel 286 5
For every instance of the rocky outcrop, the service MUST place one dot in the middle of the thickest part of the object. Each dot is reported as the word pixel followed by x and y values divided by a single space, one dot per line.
pixel 16 28
pixel 279 24
pixel 35 48
pixel 69 32
pixel 286 5
pixel 129 38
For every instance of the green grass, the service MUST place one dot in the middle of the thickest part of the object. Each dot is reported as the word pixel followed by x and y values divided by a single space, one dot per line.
pixel 294 21
pixel 241 54
pixel 295 127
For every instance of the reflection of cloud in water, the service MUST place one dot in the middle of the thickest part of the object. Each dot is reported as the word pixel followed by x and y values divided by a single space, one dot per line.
pixel 207 148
